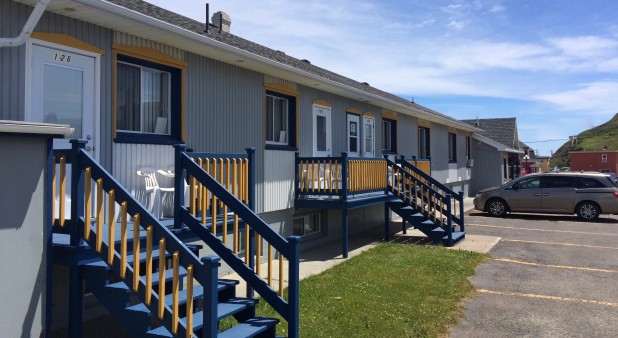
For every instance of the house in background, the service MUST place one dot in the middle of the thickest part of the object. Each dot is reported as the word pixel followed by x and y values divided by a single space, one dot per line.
pixel 133 80
pixel 605 161
pixel 530 162
pixel 496 152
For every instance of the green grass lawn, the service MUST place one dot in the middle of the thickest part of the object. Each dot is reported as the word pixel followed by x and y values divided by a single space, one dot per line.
pixel 391 290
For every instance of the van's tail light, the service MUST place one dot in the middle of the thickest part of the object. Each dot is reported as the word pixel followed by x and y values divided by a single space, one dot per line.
pixel 615 193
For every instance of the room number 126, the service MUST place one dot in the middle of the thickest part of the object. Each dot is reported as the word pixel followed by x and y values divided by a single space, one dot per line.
pixel 62 57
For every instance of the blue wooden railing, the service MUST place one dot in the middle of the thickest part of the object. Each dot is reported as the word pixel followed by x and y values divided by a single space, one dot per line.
pixel 436 188
pixel 86 173
pixel 341 177
pixel 188 166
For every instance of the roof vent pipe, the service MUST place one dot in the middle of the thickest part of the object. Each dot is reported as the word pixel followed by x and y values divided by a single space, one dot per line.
pixel 34 18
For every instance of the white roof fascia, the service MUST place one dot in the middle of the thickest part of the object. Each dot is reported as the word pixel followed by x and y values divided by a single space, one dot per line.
pixel 497 145
pixel 165 26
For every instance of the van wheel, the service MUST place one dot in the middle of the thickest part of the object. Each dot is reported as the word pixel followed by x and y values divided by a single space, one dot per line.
pixel 588 211
pixel 496 207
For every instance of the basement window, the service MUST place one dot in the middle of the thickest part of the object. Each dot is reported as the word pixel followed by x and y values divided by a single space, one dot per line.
pixel 309 224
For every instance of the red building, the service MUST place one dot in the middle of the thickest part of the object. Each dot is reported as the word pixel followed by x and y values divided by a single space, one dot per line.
pixel 602 160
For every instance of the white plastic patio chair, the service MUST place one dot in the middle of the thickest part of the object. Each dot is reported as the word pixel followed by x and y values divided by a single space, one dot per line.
pixel 152 188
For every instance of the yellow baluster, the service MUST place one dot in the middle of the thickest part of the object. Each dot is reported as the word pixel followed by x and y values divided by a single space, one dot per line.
pixel 270 265
pixel 175 291
pixel 206 197
pixel 258 253
pixel 199 192
pixel 214 200
pixel 136 252
pixel 281 274
pixel 189 319
pixel 99 239
pixel 111 226
pixel 192 192
pixel 123 240
pixel 161 309
pixel 228 187
pixel 246 244
pixel 87 202
pixel 63 189
pixel 53 199
pixel 148 264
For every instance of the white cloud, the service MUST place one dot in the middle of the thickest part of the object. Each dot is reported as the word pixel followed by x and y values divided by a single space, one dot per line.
pixel 596 98
pixel 497 9
pixel 456 25
pixel 585 46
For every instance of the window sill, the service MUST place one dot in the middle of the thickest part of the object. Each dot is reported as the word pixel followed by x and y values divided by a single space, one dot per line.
pixel 282 147
pixel 145 138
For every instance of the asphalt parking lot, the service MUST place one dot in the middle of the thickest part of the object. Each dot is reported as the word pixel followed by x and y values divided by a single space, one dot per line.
pixel 550 276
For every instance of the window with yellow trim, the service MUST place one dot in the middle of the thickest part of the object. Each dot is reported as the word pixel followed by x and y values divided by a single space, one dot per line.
pixel 148 101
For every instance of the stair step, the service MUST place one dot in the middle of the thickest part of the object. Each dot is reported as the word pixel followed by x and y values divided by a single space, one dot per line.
pixel 250 328
pixel 224 310
pixel 457 237
pixel 198 291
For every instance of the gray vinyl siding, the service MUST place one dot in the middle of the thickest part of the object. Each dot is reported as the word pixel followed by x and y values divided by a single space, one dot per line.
pixel 225 111
pixel 487 169
pixel 407 135
pixel 12 62
pixel 13 65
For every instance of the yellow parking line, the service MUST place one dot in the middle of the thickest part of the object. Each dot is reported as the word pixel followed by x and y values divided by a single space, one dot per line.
pixel 566 244
pixel 530 295
pixel 543 230
pixel 553 266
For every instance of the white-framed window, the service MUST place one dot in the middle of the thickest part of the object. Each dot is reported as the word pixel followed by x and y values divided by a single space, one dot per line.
pixel 353 134
pixel 322 136
pixel 307 224
pixel 369 123
pixel 452 147
pixel 143 100
pixel 604 158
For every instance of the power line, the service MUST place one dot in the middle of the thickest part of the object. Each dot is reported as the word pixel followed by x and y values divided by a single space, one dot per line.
pixel 560 139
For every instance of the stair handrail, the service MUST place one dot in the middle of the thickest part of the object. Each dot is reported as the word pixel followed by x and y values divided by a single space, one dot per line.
pixel 289 248
pixel 457 196
pixel 84 166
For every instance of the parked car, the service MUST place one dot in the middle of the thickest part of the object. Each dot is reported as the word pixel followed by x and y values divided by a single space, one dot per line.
pixel 586 194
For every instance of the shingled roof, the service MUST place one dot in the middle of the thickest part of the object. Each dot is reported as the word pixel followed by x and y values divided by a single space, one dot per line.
pixel 197 27
pixel 501 130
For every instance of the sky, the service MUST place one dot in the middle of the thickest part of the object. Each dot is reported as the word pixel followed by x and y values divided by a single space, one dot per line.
pixel 552 64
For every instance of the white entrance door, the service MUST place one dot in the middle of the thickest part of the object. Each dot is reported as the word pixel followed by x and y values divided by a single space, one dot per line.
pixel 321 131
pixel 62 90
pixel 369 124
pixel 353 135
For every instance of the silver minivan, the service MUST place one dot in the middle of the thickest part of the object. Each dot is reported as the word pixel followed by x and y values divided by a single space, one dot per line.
pixel 586 194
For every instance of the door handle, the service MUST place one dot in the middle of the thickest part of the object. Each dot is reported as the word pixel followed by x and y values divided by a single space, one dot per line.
pixel 538 195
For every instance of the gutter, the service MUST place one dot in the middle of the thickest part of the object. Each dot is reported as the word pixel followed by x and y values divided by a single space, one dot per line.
pixel 165 26
pixel 33 20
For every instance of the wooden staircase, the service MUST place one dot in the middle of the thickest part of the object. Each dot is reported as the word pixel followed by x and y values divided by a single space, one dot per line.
pixel 425 203
pixel 143 272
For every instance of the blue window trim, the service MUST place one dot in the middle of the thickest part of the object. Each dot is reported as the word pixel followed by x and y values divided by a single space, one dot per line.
pixel 393 149
pixel 292 132
pixel 176 98
pixel 452 144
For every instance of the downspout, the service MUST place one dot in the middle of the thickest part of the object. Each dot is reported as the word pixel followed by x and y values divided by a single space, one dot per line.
pixel 33 20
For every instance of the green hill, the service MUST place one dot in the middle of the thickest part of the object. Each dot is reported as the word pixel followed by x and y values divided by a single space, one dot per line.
pixel 592 139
